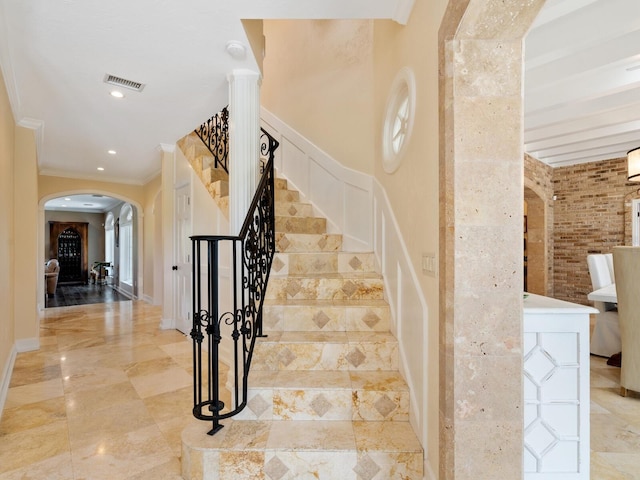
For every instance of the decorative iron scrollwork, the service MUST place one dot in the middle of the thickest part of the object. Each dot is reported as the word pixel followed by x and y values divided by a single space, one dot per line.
pixel 215 135
pixel 253 250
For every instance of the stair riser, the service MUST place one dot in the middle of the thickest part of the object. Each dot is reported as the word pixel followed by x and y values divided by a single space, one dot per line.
pixel 325 356
pixel 244 456
pixel 293 209
pixel 219 190
pixel 326 319
pixel 298 242
pixel 249 465
pixel 210 175
pixel 308 225
pixel 326 404
pixel 287 195
pixel 288 288
pixel 322 262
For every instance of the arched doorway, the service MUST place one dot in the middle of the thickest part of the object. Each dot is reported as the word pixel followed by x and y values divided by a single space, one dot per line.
pixel 91 208
pixel 535 243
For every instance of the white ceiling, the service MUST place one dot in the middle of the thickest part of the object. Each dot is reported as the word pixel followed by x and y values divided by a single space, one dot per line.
pixel 582 75
pixel 582 81
pixel 54 55
pixel 92 203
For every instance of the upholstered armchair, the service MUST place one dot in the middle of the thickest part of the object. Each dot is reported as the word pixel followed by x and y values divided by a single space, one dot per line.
pixel 626 262
pixel 51 271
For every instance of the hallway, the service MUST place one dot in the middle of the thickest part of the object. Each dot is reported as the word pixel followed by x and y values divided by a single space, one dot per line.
pixel 108 395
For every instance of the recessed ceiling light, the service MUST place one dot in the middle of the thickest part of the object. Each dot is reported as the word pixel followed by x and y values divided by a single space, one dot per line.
pixel 63 205
pixel 116 93
pixel 111 152
pixel 67 199
pixel 101 168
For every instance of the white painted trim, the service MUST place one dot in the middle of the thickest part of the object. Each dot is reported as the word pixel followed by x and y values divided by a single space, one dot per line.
pixel 124 292
pixel 429 474
pixel 27 344
pixel 403 11
pixel 147 299
pixel 167 324
pixel 5 380
pixel 340 194
pixel 404 297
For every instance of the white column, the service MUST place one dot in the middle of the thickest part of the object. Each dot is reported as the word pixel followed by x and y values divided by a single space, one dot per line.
pixel 244 143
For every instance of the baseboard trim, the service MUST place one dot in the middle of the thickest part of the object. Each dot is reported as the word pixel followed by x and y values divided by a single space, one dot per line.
pixel 6 377
pixel 167 324
pixel 147 299
pixel 27 345
pixel 429 474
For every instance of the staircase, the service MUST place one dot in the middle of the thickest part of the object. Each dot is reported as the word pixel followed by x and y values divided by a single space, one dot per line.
pixel 214 179
pixel 326 400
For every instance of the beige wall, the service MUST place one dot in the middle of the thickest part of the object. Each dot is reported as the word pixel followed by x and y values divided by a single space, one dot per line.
pixel 26 237
pixel 50 185
pixel 413 188
pixel 7 133
pixel 151 192
pixel 317 79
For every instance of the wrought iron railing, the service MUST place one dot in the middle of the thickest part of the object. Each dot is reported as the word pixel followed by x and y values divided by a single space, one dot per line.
pixel 215 135
pixel 242 262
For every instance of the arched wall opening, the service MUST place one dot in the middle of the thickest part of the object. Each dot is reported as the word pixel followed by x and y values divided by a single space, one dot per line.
pixel 535 243
pixel 42 235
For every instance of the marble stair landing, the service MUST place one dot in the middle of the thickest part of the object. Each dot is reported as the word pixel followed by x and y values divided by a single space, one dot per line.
pixel 288 450
pixel 325 399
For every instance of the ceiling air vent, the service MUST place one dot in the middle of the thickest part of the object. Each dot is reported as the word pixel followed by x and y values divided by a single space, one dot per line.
pixel 123 82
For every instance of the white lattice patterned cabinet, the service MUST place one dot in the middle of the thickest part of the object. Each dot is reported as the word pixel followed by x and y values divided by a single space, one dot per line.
pixel 556 389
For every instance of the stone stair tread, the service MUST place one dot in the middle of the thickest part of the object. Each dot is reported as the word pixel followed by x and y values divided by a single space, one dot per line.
pixel 310 435
pixel 336 276
pixel 293 209
pixel 327 303
pixel 322 380
pixel 328 337
pixel 286 263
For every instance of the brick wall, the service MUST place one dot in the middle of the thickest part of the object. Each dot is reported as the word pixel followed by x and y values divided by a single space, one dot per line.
pixel 591 215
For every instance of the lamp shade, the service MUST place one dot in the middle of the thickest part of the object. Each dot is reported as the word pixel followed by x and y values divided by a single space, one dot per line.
pixel 633 165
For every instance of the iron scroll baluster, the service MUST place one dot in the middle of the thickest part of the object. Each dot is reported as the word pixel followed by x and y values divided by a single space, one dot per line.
pixel 214 133
pixel 251 254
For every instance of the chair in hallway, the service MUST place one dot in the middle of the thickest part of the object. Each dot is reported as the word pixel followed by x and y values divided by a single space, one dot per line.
pixel 627 275
pixel 51 272
pixel 605 340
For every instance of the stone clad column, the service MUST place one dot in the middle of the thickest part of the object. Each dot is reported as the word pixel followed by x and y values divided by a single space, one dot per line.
pixel 244 143
pixel 481 240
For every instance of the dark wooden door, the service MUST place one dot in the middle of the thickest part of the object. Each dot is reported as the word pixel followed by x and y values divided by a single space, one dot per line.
pixel 69 244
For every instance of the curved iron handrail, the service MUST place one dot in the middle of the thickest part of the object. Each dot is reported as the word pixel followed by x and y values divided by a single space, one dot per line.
pixel 252 252
pixel 214 133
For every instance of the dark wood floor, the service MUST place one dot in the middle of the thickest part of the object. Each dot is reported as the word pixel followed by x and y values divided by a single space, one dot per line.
pixel 67 295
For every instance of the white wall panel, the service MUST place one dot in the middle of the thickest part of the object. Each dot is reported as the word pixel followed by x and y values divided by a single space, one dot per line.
pixel 337 192
pixel 408 307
